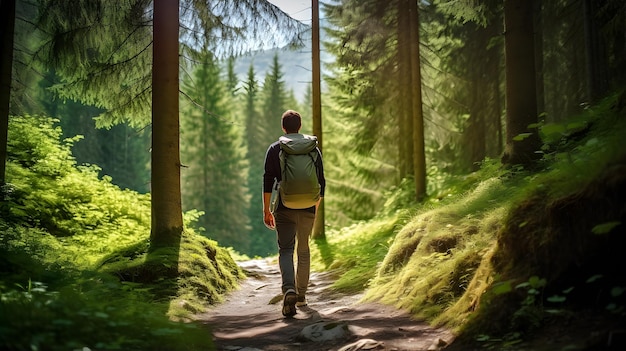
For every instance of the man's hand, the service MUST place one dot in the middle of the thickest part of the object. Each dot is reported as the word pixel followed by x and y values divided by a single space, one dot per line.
pixel 317 205
pixel 268 219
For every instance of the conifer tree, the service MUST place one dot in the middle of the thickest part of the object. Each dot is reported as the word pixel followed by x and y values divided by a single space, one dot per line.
pixel 214 178
pixel 307 104
pixel 121 151
pixel 7 20
pixel 103 51
pixel 468 82
pixel 522 143
pixel 367 88
pixel 263 128
pixel 262 243
pixel 251 96
pixel 232 80
pixel 273 95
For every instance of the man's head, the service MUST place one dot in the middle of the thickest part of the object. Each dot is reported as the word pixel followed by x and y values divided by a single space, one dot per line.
pixel 291 121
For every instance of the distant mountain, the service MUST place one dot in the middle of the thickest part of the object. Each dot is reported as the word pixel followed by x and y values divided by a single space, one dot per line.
pixel 296 66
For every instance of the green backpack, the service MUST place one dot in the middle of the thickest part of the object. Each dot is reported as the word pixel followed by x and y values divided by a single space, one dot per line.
pixel 299 187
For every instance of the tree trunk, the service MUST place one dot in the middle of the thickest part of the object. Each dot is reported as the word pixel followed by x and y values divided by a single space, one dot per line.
pixel 318 228
pixel 7 18
pixel 597 80
pixel 419 157
pixel 522 142
pixel 474 134
pixel 538 28
pixel 405 114
pixel 167 222
pixel 493 118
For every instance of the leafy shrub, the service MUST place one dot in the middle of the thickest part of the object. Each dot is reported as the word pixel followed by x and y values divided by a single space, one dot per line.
pixel 67 237
pixel 79 316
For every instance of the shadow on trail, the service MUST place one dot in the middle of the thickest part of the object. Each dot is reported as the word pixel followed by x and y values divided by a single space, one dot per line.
pixel 261 330
pixel 248 320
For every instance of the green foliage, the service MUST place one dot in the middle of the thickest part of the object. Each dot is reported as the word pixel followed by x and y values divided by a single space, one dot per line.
pixel 49 191
pixel 501 252
pixel 51 300
pixel 264 106
pixel 465 10
pixel 355 183
pixel 260 244
pixel 530 312
pixel 366 130
pixel 93 314
pixel 355 257
pixel 605 227
pixel 33 142
pixel 75 268
pixel 215 177
pixel 102 49
pixel 433 258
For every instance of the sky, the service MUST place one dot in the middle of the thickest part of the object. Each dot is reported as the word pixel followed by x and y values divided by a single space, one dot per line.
pixel 298 9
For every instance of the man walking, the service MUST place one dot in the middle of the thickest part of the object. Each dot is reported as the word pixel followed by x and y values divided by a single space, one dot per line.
pixel 294 165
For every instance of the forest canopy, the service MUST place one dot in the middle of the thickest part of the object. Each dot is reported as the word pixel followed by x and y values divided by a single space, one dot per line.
pixel 474 145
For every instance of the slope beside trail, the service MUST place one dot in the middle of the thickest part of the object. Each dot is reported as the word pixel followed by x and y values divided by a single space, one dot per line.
pixel 250 319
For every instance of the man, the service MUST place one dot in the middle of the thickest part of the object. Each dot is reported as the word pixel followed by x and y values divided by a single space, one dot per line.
pixel 294 214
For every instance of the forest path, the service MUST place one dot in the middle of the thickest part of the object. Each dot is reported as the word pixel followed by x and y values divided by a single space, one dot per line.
pixel 250 319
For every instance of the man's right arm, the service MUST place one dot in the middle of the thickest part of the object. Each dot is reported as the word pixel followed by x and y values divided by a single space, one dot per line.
pixel 272 169
pixel 269 177
pixel 268 217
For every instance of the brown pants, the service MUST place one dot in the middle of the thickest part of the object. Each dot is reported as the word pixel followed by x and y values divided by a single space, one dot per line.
pixel 293 229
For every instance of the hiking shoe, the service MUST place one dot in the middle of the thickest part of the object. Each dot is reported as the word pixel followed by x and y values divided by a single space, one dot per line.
pixel 289 303
pixel 301 301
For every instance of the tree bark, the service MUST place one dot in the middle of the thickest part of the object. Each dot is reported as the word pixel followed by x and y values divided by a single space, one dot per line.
pixel 405 113
pixel 597 80
pixel 538 29
pixel 475 133
pixel 419 156
pixel 522 142
pixel 167 223
pixel 7 28
pixel 318 228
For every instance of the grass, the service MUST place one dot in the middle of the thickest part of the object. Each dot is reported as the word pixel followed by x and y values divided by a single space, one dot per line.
pixel 356 251
pixel 463 259
pixel 48 301
pixel 76 271
pixel 75 266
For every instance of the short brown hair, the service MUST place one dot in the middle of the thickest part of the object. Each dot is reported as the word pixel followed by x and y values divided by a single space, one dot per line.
pixel 291 121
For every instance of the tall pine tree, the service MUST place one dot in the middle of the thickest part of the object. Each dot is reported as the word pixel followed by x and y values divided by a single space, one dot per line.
pixel 262 243
pixel 214 180
pixel 263 128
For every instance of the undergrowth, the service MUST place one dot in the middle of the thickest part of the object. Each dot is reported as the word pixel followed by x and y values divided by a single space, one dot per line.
pixel 75 269
pixel 494 255
pixel 471 255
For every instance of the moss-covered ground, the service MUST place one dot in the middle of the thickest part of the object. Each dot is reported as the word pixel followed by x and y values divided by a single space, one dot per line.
pixel 503 256
pixel 75 266
pixel 509 252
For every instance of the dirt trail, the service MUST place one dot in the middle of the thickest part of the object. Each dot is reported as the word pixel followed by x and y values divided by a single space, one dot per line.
pixel 248 320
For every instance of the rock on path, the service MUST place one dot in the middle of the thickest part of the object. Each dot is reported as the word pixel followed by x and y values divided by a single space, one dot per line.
pixel 250 319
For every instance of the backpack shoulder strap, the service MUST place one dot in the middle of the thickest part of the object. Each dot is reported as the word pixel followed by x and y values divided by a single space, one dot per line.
pixel 313 154
pixel 281 159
